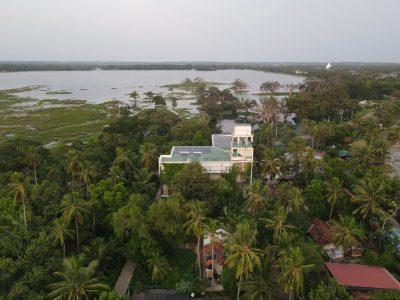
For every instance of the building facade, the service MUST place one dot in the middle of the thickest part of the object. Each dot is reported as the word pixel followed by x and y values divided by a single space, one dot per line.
pixel 227 150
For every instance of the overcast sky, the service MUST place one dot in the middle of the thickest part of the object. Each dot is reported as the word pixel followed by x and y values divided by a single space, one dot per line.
pixel 200 30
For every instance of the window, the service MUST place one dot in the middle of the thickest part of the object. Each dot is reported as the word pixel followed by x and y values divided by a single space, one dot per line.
pixel 235 153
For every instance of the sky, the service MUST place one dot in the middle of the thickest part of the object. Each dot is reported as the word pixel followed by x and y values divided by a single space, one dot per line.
pixel 200 30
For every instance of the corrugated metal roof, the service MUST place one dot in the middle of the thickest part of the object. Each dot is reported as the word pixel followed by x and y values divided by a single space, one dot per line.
pixel 362 276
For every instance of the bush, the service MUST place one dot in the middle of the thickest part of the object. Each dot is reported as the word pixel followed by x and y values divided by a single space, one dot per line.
pixel 186 287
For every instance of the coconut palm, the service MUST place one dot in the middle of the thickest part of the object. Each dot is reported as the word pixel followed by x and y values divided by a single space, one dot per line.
pixel 86 175
pixel 159 267
pixel 77 281
pixel 32 158
pixel 292 198
pixel 307 164
pixel 148 156
pixel 210 229
pixel 73 162
pixel 19 188
pixel 255 198
pixel 60 233
pixel 371 197
pixel 269 165
pixel 92 204
pixel 394 137
pixel 144 182
pixel 96 250
pixel 277 223
pixel 334 190
pixel 292 267
pixel 122 159
pixel 54 172
pixel 74 208
pixel 195 224
pixel 261 285
pixel 345 232
pixel 242 254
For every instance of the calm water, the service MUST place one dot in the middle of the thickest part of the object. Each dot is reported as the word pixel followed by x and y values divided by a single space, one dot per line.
pixel 99 86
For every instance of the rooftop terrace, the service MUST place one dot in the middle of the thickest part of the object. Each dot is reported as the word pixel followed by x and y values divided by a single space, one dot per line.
pixel 196 154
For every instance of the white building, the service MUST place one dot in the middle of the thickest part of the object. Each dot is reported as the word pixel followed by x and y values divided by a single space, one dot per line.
pixel 226 151
pixel 328 66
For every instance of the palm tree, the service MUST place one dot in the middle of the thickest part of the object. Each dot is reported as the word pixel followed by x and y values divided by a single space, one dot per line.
pixel 92 205
pixel 270 165
pixel 73 163
pixel 77 281
pixel 291 264
pixel 293 199
pixel 242 255
pixel 96 250
pixel 394 137
pixel 345 232
pixel 74 208
pixel 159 267
pixel 277 223
pixel 143 182
pixel 149 157
pixel 261 285
pixel 32 158
pixel 194 225
pixel 307 164
pixel 210 229
pixel 60 233
pixel 86 174
pixel 334 192
pixel 54 172
pixel 18 188
pixel 371 196
pixel 255 200
pixel 122 159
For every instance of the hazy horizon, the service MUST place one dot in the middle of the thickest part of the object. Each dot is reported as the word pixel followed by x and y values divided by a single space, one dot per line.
pixel 179 31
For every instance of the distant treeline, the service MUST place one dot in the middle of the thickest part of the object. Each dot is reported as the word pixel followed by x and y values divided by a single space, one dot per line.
pixel 289 68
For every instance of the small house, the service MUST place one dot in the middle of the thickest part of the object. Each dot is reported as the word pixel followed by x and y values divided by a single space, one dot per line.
pixel 362 279
pixel 322 234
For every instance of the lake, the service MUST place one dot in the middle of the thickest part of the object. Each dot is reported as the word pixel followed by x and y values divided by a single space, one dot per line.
pixel 98 86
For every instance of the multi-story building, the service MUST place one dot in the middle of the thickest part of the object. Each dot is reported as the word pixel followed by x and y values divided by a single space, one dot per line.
pixel 227 150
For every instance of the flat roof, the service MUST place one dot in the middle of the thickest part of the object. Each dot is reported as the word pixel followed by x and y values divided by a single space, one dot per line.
pixel 196 153
pixel 362 276
pixel 222 141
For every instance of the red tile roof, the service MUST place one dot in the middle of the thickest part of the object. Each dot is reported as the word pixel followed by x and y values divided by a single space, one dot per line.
pixel 362 276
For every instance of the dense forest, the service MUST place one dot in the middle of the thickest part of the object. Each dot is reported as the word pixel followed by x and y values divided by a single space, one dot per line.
pixel 70 216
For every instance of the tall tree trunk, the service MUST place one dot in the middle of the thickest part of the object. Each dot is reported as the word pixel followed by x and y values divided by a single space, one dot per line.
pixel 394 152
pixel 198 256
pixel 24 212
pixel 291 295
pixel 77 234
pixel 34 173
pixel 63 245
pixel 212 264
pixel 93 223
pixel 330 214
pixel 239 286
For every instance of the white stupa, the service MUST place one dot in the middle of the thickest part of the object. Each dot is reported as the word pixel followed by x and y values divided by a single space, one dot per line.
pixel 328 66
